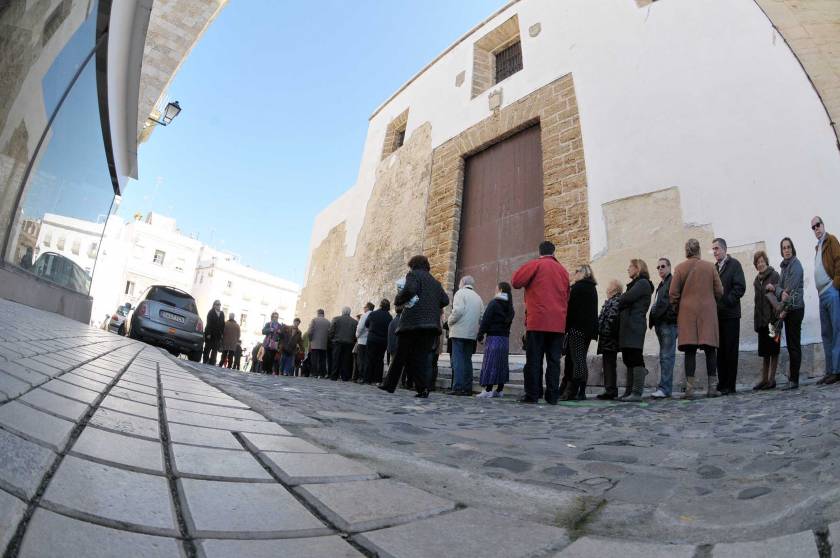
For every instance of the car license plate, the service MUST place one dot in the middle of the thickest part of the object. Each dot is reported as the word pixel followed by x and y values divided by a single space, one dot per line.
pixel 171 330
pixel 173 317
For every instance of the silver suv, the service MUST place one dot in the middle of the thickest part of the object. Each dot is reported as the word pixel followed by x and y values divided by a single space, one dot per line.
pixel 168 317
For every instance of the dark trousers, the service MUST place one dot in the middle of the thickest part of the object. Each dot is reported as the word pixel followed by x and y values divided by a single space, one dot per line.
pixel 342 361
pixel 729 331
pixel 793 335
pixel 541 345
pixel 396 366
pixel 418 345
pixel 268 361
pixel 211 351
pixel 609 360
pixel 375 362
pixel 691 360
pixel 361 363
pixel 318 359
pixel 227 359
pixel 632 358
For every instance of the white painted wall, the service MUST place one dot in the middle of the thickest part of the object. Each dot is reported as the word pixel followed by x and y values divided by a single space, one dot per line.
pixel 704 96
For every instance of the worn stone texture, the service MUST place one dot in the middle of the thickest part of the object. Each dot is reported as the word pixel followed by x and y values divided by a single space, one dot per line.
pixel 11 512
pixel 392 232
pixel 812 30
pixel 316 547
pixel 801 545
pixel 593 547
pixel 22 464
pixel 127 451
pixel 32 423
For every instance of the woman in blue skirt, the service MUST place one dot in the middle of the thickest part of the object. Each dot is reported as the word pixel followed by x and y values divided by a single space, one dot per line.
pixel 495 324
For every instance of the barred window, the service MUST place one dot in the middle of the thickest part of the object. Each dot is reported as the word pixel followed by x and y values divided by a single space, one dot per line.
pixel 508 61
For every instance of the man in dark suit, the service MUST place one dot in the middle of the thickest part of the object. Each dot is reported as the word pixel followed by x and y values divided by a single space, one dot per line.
pixel 729 316
pixel 213 330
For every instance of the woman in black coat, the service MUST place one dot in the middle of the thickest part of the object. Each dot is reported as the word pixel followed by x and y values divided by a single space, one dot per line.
pixel 581 329
pixel 377 341
pixel 608 340
pixel 634 304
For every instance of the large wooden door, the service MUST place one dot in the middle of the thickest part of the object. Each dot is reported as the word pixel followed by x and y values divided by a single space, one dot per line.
pixel 502 217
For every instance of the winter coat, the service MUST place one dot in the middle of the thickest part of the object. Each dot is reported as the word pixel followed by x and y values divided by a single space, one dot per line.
pixel 271 330
pixel 425 313
pixel 343 330
pixel 831 258
pixel 496 319
pixel 290 340
pixel 634 304
pixel 583 308
pixel 694 291
pixel 392 334
pixel 465 318
pixel 734 287
pixel 763 311
pixel 662 312
pixel 608 321
pixel 230 337
pixel 791 280
pixel 377 326
pixel 319 333
pixel 214 327
pixel 546 284
pixel 361 329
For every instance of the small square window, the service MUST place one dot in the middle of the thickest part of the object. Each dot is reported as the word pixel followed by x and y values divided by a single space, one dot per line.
pixel 48 239
pixel 60 243
pixel 129 288
pixel 399 140
pixel 77 246
pixel 508 61
pixel 160 255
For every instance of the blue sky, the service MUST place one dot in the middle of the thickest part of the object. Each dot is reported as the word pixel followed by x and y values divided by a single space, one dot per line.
pixel 276 98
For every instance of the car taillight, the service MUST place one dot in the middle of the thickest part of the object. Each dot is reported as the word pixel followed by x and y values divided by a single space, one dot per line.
pixel 143 309
pixel 199 326
pixel 114 317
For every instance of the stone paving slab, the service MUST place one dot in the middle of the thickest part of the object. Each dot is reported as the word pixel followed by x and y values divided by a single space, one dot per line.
pixel 70 390
pixel 801 545
pixel 127 451
pixel 39 366
pixel 47 401
pixel 94 374
pixel 32 423
pixel 243 510
pixel 366 505
pixel 195 435
pixel 311 468
pixel 318 547
pixel 218 464
pixel 595 547
pixel 224 402
pixel 147 380
pixel 287 444
pixel 216 410
pixel 112 495
pixel 137 387
pixel 464 534
pixel 224 423
pixel 81 381
pixel 11 512
pixel 31 377
pixel 132 395
pixel 124 423
pixel 11 387
pixel 51 535
pixel 22 464
pixel 131 407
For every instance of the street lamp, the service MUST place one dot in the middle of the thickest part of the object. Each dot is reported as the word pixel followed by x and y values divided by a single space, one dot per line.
pixel 169 113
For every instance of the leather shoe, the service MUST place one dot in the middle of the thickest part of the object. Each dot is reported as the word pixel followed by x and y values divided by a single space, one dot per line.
pixel 526 399
pixel 790 386
pixel 823 380
pixel 832 379
pixel 383 387
pixel 422 394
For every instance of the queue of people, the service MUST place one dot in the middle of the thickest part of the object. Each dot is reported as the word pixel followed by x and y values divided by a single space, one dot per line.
pixel 696 306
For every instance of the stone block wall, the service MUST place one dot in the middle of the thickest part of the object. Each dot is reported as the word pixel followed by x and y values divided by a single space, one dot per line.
pixel 554 108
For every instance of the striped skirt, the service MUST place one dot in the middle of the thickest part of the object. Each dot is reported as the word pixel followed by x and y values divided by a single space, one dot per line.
pixel 495 368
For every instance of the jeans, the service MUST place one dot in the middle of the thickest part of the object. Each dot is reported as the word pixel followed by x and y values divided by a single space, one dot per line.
pixel 462 367
pixel 830 322
pixel 287 363
pixel 541 345
pixel 667 335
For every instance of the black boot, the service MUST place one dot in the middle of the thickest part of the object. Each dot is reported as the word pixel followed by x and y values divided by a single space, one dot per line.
pixel 570 393
pixel 628 385
pixel 581 391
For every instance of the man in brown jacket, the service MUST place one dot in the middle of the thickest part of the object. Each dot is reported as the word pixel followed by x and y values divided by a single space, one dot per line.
pixel 827 280
pixel 695 289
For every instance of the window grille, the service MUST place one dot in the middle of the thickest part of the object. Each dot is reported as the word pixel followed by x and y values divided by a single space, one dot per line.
pixel 159 257
pixel 399 140
pixel 508 61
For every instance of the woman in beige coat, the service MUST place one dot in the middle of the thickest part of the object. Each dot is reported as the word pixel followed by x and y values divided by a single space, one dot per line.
pixel 695 289
pixel 230 338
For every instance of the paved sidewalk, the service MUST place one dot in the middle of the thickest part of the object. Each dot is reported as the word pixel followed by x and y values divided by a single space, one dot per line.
pixel 109 447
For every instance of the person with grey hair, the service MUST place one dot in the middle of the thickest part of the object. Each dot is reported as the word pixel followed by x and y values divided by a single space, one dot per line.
pixel 464 322
pixel 695 288
pixel 827 282
pixel 342 335
pixel 729 316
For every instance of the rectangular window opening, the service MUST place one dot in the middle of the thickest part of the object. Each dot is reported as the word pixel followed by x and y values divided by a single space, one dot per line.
pixel 508 61
pixel 160 255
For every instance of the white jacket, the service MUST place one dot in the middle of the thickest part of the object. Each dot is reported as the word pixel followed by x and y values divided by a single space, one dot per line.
pixel 361 330
pixel 466 314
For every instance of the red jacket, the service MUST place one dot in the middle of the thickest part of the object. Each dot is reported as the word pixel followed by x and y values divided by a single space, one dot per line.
pixel 546 284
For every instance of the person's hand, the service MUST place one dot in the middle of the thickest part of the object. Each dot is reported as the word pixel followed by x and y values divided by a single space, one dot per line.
pixel 771 288
pixel 782 315
pixel 785 296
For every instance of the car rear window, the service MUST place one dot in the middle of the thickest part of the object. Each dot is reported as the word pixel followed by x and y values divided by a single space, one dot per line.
pixel 173 298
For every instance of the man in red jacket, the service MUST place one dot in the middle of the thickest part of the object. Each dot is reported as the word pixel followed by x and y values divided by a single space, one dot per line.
pixel 546 284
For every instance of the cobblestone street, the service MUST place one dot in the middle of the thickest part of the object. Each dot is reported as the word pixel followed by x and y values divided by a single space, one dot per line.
pixel 113 448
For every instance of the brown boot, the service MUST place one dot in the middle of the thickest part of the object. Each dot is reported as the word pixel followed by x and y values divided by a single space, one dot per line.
pixel 628 385
pixel 689 388
pixel 570 393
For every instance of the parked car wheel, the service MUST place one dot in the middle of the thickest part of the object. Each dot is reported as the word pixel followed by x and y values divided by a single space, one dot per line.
pixel 121 330
pixel 195 356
